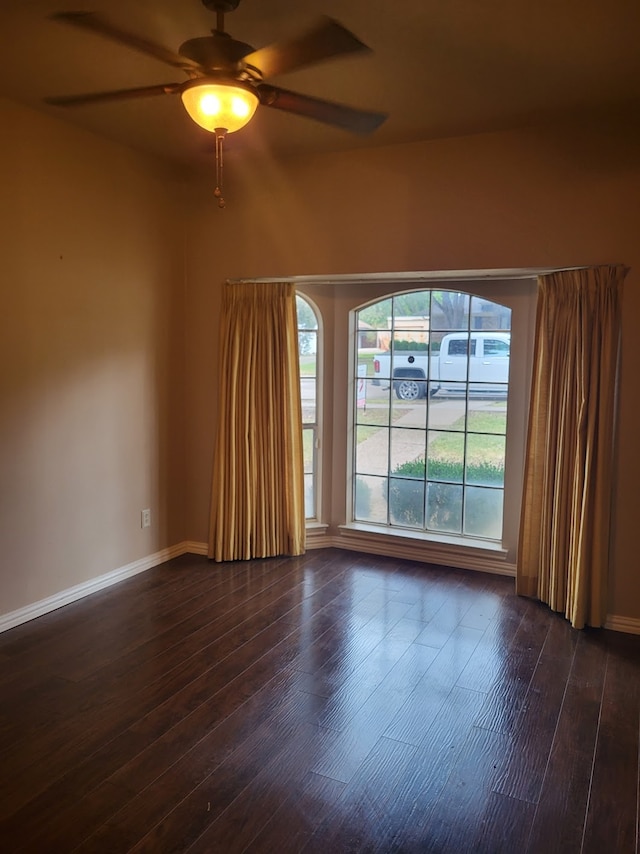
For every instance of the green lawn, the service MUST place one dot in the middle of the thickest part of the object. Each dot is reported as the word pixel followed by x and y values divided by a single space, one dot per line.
pixel 308 366
pixel 486 422
pixel 485 439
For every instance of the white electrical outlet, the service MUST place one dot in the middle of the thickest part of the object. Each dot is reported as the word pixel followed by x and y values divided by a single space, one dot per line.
pixel 145 518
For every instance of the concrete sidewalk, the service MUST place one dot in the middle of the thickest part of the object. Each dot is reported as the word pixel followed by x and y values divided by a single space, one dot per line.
pixel 410 445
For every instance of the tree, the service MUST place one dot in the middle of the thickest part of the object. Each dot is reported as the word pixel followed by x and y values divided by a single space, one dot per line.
pixel 306 315
pixel 307 327
pixel 454 307
pixel 444 310
pixel 375 316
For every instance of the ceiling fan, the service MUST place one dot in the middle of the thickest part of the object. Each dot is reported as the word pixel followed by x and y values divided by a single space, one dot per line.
pixel 226 78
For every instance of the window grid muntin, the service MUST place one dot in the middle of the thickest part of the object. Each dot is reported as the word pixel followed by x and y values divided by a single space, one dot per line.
pixel 308 340
pixel 472 323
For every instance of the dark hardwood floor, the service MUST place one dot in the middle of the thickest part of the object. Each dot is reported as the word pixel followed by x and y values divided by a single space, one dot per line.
pixel 330 703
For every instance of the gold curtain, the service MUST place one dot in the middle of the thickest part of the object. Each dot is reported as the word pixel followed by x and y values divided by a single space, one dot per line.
pixel 563 551
pixel 257 507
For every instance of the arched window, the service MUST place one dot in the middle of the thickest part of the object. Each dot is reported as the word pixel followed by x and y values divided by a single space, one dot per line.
pixel 308 349
pixel 430 414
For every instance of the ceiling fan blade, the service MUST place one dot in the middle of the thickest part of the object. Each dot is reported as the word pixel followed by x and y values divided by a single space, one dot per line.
pixel 115 95
pixel 328 38
pixel 348 118
pixel 94 23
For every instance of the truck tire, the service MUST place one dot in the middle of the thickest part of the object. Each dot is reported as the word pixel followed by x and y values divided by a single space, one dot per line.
pixel 408 389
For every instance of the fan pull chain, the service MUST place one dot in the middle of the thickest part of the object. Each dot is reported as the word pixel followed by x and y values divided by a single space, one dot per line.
pixel 220 134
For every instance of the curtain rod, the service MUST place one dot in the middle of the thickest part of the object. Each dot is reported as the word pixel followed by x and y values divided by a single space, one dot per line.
pixel 411 278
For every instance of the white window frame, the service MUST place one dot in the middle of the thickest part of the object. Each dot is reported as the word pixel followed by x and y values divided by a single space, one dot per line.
pixel 443 548
pixel 315 427
pixel 468 344
pixel 335 297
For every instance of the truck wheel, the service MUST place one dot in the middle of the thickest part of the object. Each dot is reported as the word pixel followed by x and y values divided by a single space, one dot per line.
pixel 408 389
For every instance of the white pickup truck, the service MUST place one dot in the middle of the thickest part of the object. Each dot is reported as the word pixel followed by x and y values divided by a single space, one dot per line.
pixel 486 368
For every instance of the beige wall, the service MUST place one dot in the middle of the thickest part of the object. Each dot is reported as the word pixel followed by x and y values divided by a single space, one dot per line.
pixel 110 282
pixel 520 199
pixel 91 361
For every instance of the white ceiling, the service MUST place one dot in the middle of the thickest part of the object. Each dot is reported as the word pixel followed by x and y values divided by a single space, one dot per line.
pixel 439 67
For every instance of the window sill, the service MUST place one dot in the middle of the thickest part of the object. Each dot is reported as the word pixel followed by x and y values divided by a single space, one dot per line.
pixel 316 535
pixel 439 549
pixel 419 536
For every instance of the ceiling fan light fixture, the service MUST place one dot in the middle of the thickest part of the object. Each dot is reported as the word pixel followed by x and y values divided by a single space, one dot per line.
pixel 226 75
pixel 219 105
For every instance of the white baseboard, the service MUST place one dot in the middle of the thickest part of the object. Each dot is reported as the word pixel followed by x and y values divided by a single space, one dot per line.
pixel 65 597
pixel 316 539
pixel 193 548
pixel 630 625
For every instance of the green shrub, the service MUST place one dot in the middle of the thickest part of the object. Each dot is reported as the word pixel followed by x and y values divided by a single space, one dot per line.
pixel 362 509
pixel 432 346
pixel 407 494
pixel 451 470
pixel 482 473
pixel 410 345
pixel 406 502
pixel 485 473
pixel 412 468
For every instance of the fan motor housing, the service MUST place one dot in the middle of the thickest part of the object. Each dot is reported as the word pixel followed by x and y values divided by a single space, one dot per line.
pixel 215 53
pixel 221 5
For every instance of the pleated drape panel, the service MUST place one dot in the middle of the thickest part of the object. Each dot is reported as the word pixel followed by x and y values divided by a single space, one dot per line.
pixel 257 506
pixel 564 543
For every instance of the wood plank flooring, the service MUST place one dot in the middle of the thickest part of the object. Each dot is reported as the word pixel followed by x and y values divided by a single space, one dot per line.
pixel 335 702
